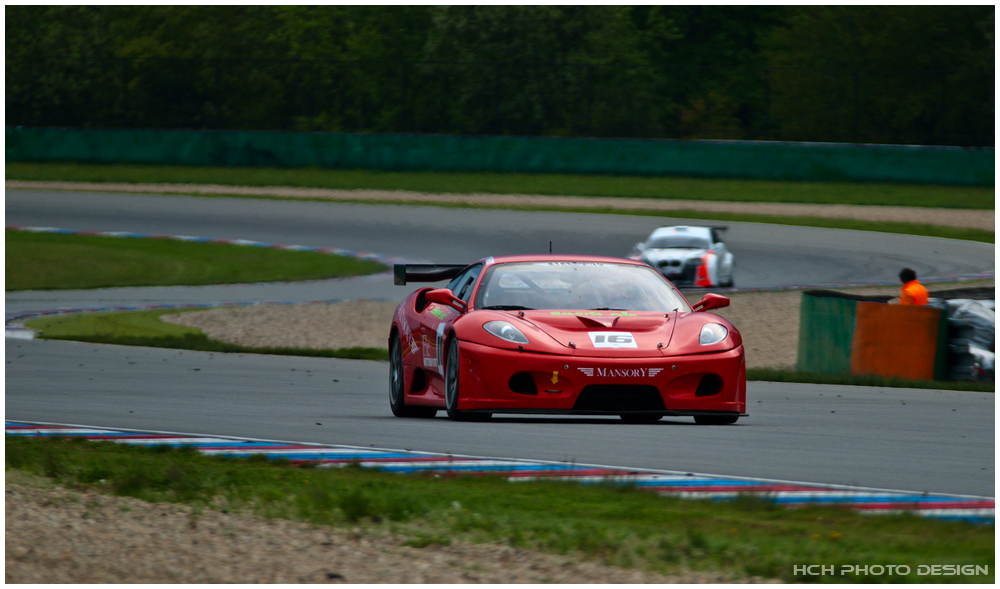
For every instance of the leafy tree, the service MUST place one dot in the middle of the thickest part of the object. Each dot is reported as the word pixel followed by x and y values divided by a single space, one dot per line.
pixel 52 76
pixel 883 73
pixel 914 74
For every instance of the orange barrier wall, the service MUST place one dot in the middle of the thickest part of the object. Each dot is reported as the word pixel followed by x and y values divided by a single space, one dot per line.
pixel 895 340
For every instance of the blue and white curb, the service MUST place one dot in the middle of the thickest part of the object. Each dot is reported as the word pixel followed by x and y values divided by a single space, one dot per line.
pixel 669 483
pixel 384 259
pixel 13 327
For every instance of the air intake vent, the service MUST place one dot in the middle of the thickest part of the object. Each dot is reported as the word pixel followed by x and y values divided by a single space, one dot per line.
pixel 522 384
pixel 419 382
pixel 710 385
pixel 619 398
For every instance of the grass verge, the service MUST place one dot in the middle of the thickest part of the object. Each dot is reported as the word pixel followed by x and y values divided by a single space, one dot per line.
pixel 707 189
pixel 54 261
pixel 775 375
pixel 144 328
pixel 614 524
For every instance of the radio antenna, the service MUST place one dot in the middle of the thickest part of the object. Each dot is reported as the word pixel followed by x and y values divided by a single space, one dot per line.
pixel 550 246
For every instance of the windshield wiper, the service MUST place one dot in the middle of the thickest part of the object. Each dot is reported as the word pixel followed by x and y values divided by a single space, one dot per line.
pixel 605 309
pixel 508 308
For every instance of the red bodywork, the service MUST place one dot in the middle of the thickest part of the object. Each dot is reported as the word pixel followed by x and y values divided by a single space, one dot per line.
pixel 561 370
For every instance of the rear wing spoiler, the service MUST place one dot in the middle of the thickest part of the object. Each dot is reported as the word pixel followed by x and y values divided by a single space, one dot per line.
pixel 403 273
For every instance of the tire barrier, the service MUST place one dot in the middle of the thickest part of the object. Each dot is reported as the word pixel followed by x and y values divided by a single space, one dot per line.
pixel 668 483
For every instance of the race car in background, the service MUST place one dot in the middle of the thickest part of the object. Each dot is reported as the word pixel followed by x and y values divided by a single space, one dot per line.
pixel 576 335
pixel 688 255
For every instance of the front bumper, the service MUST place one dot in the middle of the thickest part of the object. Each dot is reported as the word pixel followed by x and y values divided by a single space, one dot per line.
pixel 499 381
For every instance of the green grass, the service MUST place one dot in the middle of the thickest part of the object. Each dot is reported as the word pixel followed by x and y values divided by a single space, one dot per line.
pixel 144 328
pixel 613 524
pixel 53 261
pixel 959 197
pixel 830 223
pixel 775 375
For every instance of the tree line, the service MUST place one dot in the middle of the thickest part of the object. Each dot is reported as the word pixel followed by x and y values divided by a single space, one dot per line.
pixel 867 74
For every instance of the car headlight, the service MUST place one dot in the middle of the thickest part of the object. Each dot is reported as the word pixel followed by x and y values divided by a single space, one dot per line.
pixel 712 333
pixel 505 331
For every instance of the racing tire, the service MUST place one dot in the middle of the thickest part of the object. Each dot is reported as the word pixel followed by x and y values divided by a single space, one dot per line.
pixel 397 386
pixel 715 419
pixel 641 417
pixel 451 382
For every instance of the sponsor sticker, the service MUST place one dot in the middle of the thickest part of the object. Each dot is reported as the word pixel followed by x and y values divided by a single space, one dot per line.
pixel 620 372
pixel 439 343
pixel 442 313
pixel 612 339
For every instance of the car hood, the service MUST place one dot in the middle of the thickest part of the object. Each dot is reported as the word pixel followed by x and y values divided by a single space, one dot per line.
pixel 654 256
pixel 607 333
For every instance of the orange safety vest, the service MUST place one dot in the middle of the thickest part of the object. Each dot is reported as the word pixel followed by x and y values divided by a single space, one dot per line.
pixel 913 293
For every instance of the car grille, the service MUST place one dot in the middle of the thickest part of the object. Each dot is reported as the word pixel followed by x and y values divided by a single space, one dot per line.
pixel 619 398
pixel 670 263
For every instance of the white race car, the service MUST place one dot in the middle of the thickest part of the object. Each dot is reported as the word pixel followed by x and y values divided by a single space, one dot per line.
pixel 688 255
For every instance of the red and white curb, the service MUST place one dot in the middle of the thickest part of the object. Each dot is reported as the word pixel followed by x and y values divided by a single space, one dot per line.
pixel 670 483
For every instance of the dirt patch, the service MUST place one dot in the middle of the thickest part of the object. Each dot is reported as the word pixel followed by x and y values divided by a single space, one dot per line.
pixel 314 326
pixel 55 535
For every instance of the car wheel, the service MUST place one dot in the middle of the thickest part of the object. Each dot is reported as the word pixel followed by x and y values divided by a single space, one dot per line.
pixel 715 419
pixel 397 386
pixel 451 381
pixel 641 417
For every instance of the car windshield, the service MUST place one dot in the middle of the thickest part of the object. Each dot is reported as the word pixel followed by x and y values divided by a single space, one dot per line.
pixel 678 241
pixel 578 286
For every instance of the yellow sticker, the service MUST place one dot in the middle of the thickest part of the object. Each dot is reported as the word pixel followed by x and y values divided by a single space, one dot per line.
pixel 555 376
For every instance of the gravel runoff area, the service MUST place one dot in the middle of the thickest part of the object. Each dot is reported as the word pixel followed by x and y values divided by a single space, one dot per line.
pixel 56 535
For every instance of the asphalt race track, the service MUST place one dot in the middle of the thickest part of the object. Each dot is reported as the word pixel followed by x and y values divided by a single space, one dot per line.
pixel 933 441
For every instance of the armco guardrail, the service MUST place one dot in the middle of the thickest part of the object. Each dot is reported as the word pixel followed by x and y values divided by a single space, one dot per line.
pixel 716 159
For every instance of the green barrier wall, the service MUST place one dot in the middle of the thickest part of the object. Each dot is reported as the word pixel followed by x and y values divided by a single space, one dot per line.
pixel 717 159
pixel 826 332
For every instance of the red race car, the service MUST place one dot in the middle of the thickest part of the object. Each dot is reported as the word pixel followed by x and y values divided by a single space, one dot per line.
pixel 576 335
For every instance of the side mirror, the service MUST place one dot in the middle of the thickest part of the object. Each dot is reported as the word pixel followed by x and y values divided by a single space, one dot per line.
pixel 640 247
pixel 711 301
pixel 443 296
